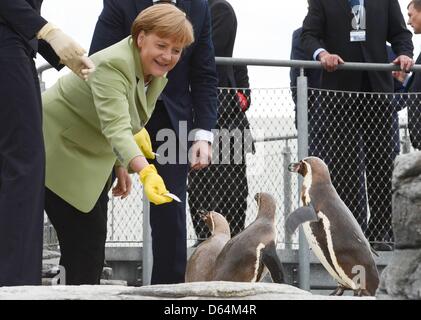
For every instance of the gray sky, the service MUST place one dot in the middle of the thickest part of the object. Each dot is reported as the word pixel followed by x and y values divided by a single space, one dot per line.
pixel 264 31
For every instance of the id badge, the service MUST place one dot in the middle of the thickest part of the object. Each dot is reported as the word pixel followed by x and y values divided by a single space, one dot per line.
pixel 357 36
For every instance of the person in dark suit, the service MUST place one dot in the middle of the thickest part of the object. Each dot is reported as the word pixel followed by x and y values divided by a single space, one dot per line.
pixel 397 104
pixel 413 83
pixel 23 33
pixel 94 117
pixel 222 187
pixel 316 115
pixel 189 100
pixel 315 142
pixel 359 127
pixel 298 53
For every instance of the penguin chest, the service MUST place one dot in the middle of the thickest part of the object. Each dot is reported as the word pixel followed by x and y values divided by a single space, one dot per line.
pixel 257 266
pixel 320 240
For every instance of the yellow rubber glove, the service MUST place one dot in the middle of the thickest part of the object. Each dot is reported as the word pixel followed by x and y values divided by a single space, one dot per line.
pixel 143 141
pixel 154 185
pixel 63 45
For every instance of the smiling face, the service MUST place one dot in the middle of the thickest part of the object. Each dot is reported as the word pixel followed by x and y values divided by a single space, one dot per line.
pixel 158 55
pixel 414 18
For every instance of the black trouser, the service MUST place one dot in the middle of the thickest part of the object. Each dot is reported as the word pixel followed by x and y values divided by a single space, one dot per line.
pixel 222 188
pixel 22 163
pixel 81 236
pixel 414 120
pixel 359 150
pixel 168 221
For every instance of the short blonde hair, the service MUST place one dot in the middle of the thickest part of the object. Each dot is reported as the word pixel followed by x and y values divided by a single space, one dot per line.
pixel 167 21
pixel 416 4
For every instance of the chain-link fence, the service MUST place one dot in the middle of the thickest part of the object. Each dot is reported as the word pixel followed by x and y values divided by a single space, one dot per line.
pixel 262 142
pixel 357 134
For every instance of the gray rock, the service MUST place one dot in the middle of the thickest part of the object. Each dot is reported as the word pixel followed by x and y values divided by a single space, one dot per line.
pixel 217 289
pixel 105 282
pixel 214 290
pixel 401 279
pixel 63 293
pixel 184 291
pixel 407 201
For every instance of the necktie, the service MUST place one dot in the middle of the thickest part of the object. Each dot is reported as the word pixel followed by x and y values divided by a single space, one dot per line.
pixel 354 3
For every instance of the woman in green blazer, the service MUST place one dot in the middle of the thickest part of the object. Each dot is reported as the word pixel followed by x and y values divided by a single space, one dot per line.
pixel 89 128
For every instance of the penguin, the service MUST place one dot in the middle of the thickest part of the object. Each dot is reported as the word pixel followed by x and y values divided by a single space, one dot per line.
pixel 244 257
pixel 201 262
pixel 332 232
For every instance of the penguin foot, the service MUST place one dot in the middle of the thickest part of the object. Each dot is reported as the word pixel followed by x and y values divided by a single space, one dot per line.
pixel 338 291
pixel 361 293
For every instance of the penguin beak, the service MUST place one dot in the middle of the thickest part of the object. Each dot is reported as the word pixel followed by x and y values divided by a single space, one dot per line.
pixel 294 167
pixel 204 215
pixel 208 219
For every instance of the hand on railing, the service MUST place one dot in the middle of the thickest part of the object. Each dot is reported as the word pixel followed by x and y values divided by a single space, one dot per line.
pixel 405 62
pixel 329 61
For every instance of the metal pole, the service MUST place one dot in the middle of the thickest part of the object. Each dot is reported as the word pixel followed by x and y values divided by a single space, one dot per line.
pixel 147 256
pixel 111 213
pixel 311 64
pixel 287 193
pixel 302 123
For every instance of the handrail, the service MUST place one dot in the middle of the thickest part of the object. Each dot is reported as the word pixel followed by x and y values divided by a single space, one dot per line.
pixel 310 64
pixel 293 64
pixel 44 67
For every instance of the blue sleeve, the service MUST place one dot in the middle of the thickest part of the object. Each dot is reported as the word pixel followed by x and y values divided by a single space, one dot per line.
pixel 296 54
pixel 398 35
pixel 313 31
pixel 203 78
pixel 49 54
pixel 110 27
pixel 22 18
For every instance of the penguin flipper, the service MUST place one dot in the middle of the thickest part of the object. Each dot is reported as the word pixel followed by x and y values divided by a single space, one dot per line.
pixel 299 216
pixel 270 259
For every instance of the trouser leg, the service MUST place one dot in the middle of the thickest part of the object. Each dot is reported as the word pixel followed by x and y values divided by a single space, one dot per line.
pixel 22 163
pixel 168 221
pixel 81 237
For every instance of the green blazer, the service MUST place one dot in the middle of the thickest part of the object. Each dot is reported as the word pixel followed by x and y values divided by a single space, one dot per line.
pixel 89 126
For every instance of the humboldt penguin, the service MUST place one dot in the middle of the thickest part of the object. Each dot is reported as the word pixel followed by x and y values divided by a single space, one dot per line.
pixel 202 261
pixel 332 231
pixel 244 257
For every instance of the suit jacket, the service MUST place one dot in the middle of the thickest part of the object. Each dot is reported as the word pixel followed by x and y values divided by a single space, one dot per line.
pixel 330 21
pixel 191 91
pixel 88 126
pixel 224 31
pixel 414 108
pixel 22 17
pixel 298 53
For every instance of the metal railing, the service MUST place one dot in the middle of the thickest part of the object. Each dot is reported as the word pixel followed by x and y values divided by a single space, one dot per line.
pixel 280 144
